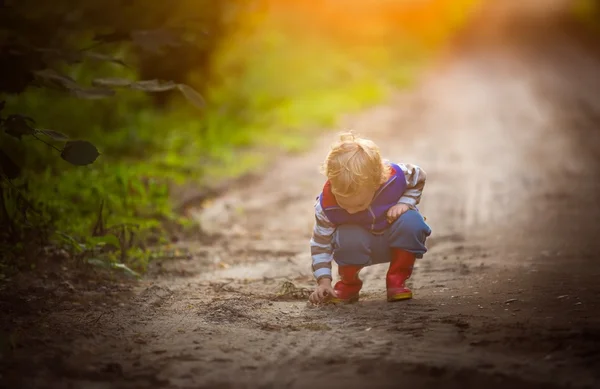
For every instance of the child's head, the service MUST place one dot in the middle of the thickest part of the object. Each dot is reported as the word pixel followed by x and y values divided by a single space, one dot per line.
pixel 355 171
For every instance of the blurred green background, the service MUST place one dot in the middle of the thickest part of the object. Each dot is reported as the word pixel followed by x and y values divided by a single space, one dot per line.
pixel 273 74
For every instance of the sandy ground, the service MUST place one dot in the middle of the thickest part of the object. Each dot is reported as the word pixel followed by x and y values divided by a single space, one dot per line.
pixel 507 129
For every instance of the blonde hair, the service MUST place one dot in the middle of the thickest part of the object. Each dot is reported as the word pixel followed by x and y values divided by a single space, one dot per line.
pixel 354 163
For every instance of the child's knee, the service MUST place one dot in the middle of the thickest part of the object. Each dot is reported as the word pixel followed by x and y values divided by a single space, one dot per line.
pixel 351 238
pixel 411 223
pixel 352 246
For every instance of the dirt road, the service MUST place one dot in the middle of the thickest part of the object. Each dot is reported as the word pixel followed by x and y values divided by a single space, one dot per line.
pixel 507 129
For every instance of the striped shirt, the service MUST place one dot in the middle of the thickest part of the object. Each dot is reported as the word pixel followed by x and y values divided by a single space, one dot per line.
pixel 320 243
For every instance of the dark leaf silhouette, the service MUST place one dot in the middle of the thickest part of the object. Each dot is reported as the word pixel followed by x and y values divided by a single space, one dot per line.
pixel 53 78
pixel 79 152
pixel 7 167
pixel 18 125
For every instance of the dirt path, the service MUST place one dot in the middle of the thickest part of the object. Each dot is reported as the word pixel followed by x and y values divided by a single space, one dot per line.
pixel 507 295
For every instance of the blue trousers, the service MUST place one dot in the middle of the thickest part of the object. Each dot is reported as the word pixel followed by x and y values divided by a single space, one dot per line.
pixel 354 245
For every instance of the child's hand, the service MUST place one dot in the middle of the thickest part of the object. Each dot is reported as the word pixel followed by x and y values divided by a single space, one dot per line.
pixel 323 292
pixel 395 212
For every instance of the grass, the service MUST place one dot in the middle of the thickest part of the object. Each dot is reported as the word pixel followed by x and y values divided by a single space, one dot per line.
pixel 273 88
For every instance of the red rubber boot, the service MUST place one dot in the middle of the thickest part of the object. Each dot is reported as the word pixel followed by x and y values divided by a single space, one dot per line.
pixel 401 267
pixel 348 287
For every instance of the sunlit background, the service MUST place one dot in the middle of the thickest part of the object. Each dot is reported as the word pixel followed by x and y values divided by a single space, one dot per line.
pixel 272 73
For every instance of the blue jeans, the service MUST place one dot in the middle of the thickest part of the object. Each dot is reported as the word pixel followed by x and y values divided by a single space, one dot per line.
pixel 354 245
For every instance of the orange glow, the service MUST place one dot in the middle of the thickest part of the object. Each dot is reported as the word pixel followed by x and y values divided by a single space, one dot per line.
pixel 424 21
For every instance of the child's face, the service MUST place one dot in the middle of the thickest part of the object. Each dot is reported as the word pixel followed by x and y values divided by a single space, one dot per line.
pixel 357 202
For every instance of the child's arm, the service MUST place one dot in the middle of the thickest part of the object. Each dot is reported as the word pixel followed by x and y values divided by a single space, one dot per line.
pixel 321 249
pixel 415 182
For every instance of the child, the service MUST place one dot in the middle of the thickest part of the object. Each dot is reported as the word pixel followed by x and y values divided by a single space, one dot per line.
pixel 366 214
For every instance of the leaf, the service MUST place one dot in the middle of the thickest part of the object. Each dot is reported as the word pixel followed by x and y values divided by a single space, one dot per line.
pixel 154 40
pixel 104 240
pixel 2 104
pixel 79 152
pixel 59 136
pixel 93 94
pixel 112 82
pixel 26 118
pixel 71 241
pixel 124 267
pixel 191 95
pixel 7 167
pixel 78 56
pixel 53 78
pixel 104 57
pixel 153 85
pixel 17 126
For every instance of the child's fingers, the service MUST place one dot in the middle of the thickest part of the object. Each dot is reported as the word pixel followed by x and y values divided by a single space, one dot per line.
pixel 317 298
pixel 392 215
pixel 321 295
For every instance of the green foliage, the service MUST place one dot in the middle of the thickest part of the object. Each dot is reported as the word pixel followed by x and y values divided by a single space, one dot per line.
pixel 275 84
pixel 50 46
pixel 269 78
